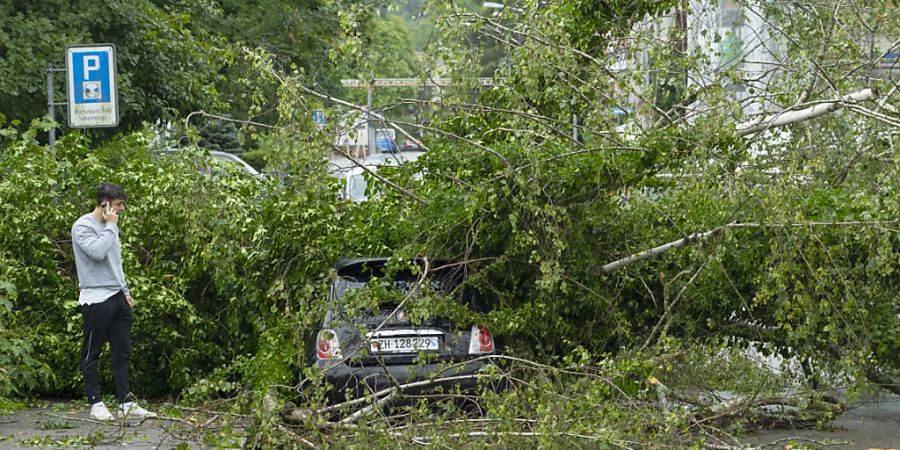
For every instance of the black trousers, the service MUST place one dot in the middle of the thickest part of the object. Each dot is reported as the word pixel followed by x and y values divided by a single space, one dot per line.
pixel 107 321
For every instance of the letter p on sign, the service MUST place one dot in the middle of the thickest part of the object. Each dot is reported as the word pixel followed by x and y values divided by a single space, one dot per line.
pixel 91 64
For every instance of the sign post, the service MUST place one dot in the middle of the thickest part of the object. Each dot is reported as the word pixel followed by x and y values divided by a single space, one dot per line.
pixel 92 90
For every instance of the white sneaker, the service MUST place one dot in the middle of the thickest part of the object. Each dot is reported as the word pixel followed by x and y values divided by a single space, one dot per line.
pixel 133 411
pixel 101 413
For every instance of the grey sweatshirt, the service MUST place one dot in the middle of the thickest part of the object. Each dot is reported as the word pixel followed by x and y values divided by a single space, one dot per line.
pixel 98 254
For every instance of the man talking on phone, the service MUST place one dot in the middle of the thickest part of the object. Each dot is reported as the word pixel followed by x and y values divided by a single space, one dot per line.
pixel 105 301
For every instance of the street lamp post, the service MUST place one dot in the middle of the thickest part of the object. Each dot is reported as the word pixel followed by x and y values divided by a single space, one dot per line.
pixel 370 126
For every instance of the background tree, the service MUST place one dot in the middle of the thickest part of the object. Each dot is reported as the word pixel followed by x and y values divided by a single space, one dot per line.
pixel 168 65
pixel 173 58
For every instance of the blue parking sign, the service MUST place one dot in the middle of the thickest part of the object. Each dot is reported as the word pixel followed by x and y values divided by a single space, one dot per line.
pixel 92 93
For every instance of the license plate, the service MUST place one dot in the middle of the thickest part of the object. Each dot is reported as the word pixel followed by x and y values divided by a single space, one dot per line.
pixel 409 344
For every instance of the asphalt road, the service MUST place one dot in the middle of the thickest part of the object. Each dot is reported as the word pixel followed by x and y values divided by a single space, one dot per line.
pixel 872 423
pixel 66 425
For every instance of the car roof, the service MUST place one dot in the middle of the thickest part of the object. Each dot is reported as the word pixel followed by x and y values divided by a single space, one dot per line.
pixel 236 160
pixel 350 266
pixel 221 156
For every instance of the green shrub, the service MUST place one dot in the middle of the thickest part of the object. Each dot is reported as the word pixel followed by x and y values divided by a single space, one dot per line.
pixel 214 259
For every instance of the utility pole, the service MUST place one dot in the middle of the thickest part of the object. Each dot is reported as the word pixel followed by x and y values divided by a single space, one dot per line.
pixel 51 111
pixel 370 129
pixel 371 84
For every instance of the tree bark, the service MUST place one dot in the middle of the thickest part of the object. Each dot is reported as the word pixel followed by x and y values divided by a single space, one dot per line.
pixel 658 250
pixel 618 264
pixel 765 122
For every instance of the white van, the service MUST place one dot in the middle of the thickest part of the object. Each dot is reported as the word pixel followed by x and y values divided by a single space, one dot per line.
pixel 354 186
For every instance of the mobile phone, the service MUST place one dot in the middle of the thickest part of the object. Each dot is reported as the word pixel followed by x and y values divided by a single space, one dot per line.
pixel 105 207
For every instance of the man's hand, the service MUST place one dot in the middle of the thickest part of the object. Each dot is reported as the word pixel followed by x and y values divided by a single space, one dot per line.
pixel 130 300
pixel 110 216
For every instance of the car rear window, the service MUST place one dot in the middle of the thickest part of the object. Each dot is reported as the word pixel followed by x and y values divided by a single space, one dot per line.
pixel 401 284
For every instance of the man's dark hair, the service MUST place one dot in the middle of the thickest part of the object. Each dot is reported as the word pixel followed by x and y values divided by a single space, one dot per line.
pixel 107 192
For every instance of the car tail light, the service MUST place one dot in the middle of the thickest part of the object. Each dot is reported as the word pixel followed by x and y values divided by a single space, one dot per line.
pixel 481 340
pixel 327 345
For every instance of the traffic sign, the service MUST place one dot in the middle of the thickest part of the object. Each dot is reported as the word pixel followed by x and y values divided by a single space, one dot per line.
pixel 319 118
pixel 93 94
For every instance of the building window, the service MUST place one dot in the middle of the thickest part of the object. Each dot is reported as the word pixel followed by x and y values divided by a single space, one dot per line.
pixel 731 22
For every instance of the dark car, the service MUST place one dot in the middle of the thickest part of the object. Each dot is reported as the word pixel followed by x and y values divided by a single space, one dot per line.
pixel 370 350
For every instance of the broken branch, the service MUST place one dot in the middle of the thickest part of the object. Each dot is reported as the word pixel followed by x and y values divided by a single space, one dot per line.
pixel 764 122
pixel 618 264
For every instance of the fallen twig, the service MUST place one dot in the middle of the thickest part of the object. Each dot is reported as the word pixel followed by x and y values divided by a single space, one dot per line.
pixel 206 411
pixel 368 409
pixel 776 443
pixel 78 419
